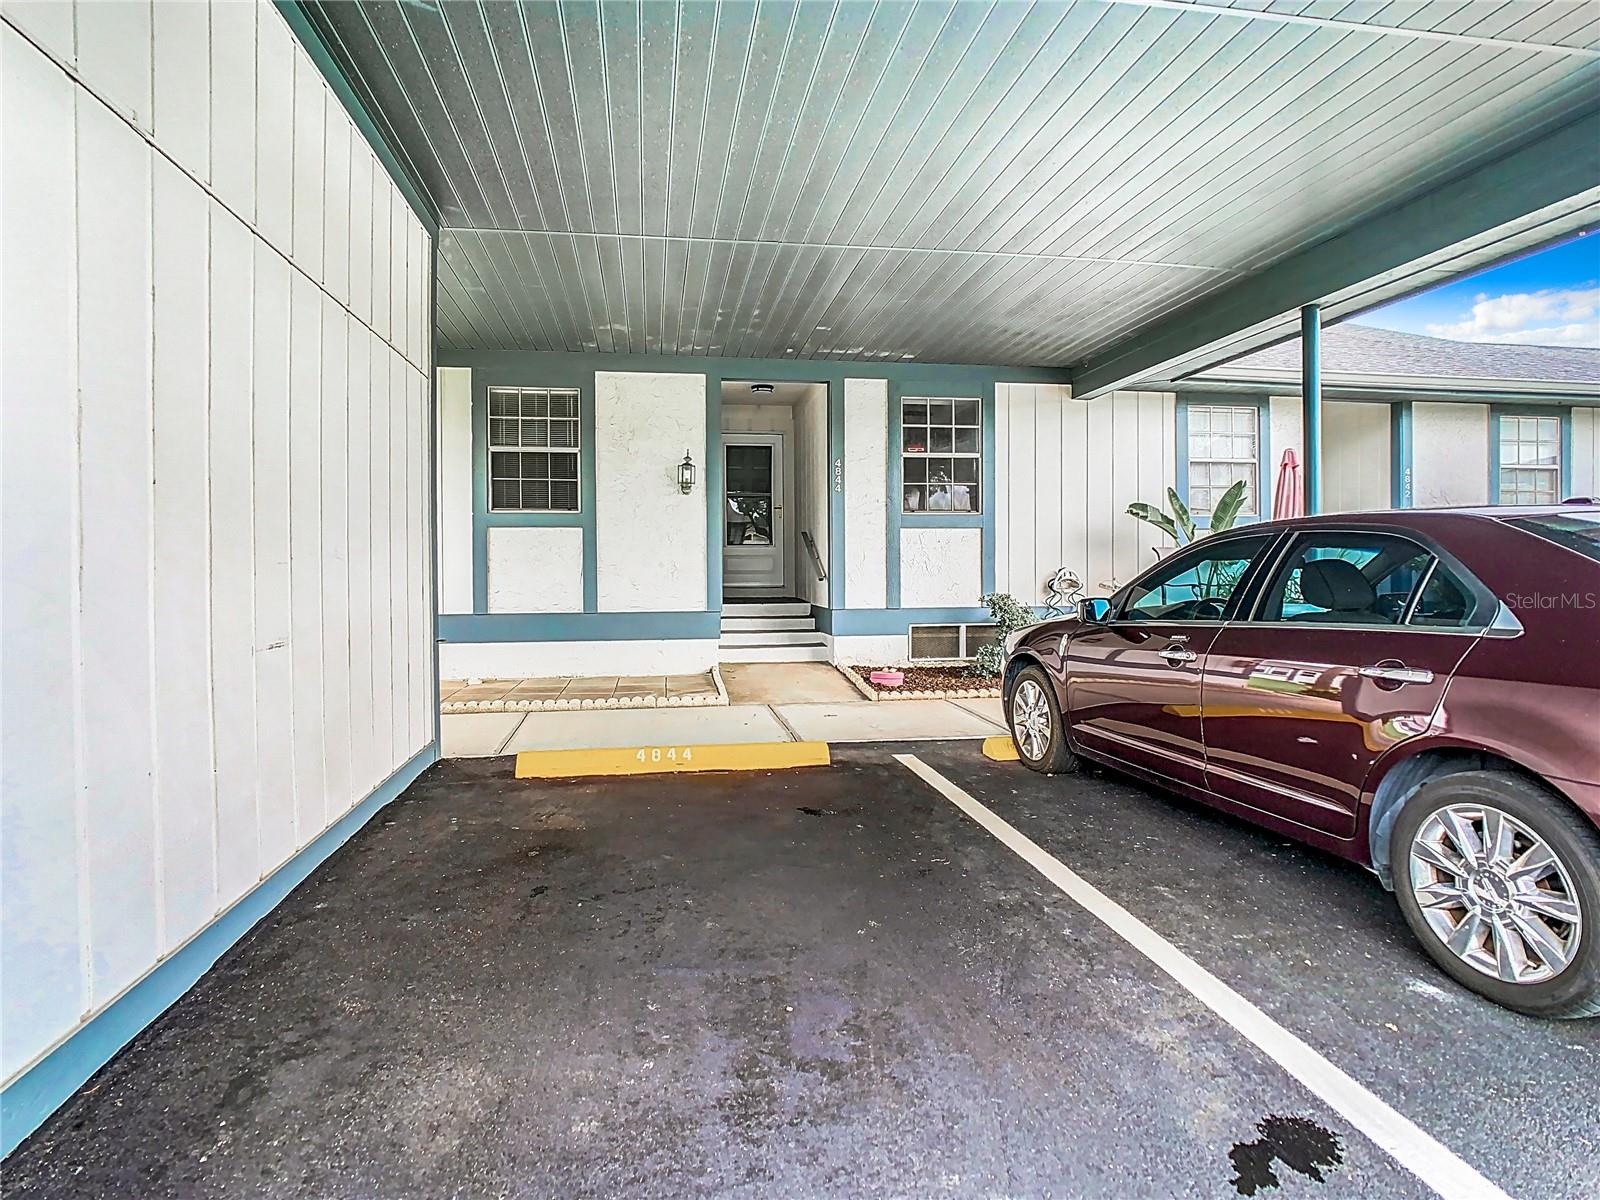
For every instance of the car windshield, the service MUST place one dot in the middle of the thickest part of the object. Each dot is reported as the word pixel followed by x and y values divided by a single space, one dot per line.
pixel 1578 531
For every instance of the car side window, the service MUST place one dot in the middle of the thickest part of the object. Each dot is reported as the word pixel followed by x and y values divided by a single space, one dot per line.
pixel 1445 602
pixel 1194 586
pixel 1347 579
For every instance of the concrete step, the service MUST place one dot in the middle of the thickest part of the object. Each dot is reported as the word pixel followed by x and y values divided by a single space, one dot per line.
pixel 765 608
pixel 755 624
pixel 771 637
pixel 748 654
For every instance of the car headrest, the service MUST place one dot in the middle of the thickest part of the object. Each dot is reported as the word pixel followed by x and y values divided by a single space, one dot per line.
pixel 1336 585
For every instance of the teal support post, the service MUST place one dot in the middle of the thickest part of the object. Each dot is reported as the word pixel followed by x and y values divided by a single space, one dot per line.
pixel 1311 402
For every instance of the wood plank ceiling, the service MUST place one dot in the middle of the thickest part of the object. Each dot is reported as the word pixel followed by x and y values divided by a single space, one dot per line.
pixel 1003 182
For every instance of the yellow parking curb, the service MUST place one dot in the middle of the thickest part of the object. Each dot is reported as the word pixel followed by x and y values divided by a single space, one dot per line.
pixel 1001 749
pixel 663 760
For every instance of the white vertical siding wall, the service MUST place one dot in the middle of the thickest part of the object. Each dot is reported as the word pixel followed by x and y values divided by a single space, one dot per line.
pixel 1585 452
pixel 1355 453
pixel 1065 474
pixel 215 487
pixel 1449 453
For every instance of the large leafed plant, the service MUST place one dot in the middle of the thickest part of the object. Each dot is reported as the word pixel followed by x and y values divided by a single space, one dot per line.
pixel 1180 526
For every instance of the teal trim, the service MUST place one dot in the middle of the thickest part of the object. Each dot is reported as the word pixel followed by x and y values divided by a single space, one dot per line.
pixel 1311 405
pixel 837 469
pixel 483 519
pixel 1266 482
pixel 311 38
pixel 1562 413
pixel 858 622
pixel 711 476
pixel 44 1087
pixel 1402 482
pixel 1547 171
pixel 432 471
pixel 981 390
pixel 579 627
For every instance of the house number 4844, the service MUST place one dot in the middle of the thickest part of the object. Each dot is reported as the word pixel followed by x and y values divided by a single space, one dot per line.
pixel 838 474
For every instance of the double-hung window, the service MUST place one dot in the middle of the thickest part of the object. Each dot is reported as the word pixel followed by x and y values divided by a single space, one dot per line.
pixel 533 449
pixel 1530 460
pixel 941 463
pixel 1224 442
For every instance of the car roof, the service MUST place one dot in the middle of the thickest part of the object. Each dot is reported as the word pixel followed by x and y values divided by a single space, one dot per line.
pixel 1418 516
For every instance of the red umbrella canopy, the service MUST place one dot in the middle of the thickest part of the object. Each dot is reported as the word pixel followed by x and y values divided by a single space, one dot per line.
pixel 1289 498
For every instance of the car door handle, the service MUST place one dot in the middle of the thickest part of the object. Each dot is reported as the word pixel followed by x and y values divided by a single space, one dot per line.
pixel 1394 674
pixel 1176 654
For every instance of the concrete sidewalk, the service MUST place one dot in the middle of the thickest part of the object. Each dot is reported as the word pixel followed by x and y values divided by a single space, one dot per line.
pixel 480 735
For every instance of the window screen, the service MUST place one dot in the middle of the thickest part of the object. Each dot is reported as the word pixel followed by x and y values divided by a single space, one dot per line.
pixel 1530 460
pixel 1223 442
pixel 533 449
pixel 941 455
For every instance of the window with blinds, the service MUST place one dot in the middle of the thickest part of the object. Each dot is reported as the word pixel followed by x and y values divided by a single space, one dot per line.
pixel 533 449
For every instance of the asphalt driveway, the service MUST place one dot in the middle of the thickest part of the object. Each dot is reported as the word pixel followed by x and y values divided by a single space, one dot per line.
pixel 827 982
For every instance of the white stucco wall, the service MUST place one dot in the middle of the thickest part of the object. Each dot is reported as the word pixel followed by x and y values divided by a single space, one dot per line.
pixel 216 637
pixel 940 568
pixel 813 481
pixel 866 492
pixel 454 488
pixel 515 660
pixel 650 538
pixel 1450 453
pixel 1585 452
pixel 1287 433
pixel 535 569
pixel 872 649
pixel 1065 474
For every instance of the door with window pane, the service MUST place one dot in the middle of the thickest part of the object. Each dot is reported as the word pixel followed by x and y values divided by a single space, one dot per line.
pixel 754 550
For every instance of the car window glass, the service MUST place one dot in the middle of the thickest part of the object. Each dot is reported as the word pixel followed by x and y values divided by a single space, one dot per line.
pixel 1194 586
pixel 1346 579
pixel 1444 603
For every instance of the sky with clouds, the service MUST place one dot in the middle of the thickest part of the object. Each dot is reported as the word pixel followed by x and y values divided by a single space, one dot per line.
pixel 1550 298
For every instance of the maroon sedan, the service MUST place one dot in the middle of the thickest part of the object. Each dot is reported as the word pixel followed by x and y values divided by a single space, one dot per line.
pixel 1418 691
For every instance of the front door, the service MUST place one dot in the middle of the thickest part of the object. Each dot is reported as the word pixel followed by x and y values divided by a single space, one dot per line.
pixel 753 546
pixel 1133 684
pixel 1348 653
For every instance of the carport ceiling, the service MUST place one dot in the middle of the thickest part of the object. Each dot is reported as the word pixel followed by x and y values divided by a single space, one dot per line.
pixel 960 182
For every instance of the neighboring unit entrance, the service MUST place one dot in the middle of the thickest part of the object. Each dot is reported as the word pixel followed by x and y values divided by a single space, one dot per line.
pixel 754 544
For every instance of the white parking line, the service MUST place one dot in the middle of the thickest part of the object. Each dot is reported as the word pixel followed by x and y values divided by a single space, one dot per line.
pixel 1430 1161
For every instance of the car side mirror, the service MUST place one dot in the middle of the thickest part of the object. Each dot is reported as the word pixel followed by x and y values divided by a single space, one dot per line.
pixel 1096 610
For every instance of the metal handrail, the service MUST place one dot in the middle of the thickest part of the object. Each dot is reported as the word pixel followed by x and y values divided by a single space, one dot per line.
pixel 816 559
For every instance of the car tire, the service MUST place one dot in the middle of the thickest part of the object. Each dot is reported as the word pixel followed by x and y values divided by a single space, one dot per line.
pixel 1036 726
pixel 1529 941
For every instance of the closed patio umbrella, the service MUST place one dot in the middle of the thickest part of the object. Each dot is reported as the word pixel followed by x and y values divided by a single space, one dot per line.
pixel 1289 499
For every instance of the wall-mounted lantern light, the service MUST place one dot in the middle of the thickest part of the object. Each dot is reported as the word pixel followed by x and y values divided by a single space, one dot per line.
pixel 686 474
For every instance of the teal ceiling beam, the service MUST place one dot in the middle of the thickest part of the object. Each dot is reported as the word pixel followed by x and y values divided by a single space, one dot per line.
pixel 1561 168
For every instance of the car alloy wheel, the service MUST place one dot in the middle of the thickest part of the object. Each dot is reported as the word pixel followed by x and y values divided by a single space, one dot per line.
pixel 1030 720
pixel 1495 894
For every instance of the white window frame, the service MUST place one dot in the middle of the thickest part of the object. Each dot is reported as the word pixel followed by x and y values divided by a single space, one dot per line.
pixel 974 486
pixel 1509 471
pixel 1249 467
pixel 527 428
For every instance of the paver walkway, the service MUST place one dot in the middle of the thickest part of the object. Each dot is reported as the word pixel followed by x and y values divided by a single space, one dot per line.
pixel 576 692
